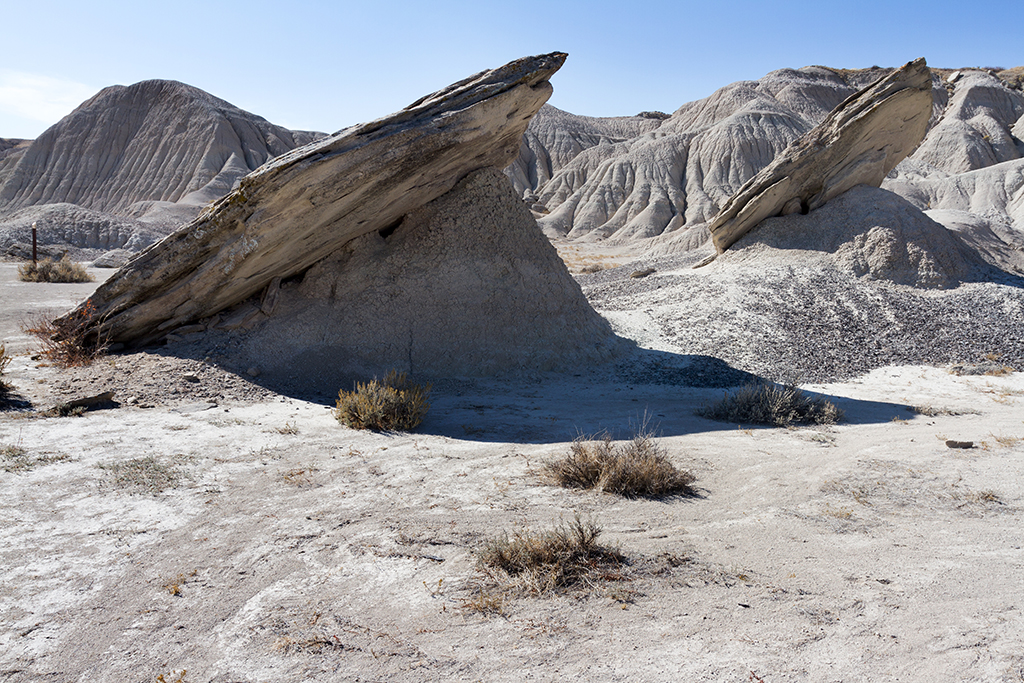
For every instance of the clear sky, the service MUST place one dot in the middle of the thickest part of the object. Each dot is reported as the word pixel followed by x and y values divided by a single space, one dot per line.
pixel 315 65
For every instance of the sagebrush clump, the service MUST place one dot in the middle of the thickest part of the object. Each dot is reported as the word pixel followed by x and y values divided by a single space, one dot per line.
pixel 393 403
pixel 779 405
pixel 48 270
pixel 637 468
pixel 563 557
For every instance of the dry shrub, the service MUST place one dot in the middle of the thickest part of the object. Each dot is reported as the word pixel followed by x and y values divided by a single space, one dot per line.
pixel 5 388
pixel 68 343
pixel 636 469
pixel 779 405
pixel 393 403
pixel 564 557
pixel 48 270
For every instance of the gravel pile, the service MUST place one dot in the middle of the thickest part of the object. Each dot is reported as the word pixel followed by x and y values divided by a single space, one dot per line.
pixel 149 379
pixel 810 323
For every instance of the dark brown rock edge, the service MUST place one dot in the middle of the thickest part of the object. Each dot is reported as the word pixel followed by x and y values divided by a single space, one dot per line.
pixel 858 143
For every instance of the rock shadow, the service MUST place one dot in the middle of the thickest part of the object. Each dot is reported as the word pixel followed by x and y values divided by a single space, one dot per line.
pixel 642 390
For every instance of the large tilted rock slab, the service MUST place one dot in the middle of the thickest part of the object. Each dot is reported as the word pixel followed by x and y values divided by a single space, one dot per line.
pixel 858 143
pixel 306 204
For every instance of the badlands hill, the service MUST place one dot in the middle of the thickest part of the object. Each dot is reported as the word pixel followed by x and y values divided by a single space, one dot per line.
pixel 136 161
pixel 669 180
pixel 132 163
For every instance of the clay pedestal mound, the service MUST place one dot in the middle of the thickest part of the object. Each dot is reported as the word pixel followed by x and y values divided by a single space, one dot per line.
pixel 867 232
pixel 465 286
pixel 858 143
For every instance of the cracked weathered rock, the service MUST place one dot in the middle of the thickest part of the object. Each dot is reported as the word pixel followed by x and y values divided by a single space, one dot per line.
pixel 858 143
pixel 306 204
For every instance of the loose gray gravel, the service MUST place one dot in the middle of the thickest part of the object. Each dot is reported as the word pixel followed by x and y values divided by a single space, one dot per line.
pixel 804 323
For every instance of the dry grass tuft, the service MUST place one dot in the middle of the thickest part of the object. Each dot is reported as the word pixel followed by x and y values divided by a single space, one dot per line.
pixel 780 405
pixel 1007 441
pixel 485 602
pixel 565 557
pixel 636 469
pixel 48 270
pixel 66 344
pixel 393 403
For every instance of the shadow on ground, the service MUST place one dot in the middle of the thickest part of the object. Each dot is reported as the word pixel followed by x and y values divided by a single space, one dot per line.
pixel 646 390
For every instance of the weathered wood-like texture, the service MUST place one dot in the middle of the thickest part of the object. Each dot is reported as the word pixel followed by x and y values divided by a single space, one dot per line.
pixel 305 204
pixel 858 143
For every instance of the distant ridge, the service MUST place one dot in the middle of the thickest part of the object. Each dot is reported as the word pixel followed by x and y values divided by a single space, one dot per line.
pixel 155 141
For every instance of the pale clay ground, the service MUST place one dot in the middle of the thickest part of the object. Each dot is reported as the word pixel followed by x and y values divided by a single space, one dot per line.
pixel 290 548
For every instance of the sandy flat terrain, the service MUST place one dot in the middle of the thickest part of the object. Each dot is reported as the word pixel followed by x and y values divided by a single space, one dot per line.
pixel 256 539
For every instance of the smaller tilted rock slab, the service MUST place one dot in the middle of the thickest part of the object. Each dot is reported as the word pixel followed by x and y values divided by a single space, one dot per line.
pixel 306 204
pixel 858 143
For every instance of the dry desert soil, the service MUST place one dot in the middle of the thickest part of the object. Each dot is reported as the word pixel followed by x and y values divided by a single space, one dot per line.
pixel 205 528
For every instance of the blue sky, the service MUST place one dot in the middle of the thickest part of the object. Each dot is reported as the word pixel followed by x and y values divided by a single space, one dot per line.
pixel 325 65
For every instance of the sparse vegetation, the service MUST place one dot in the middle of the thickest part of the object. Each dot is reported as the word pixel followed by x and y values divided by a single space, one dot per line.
pixel 780 405
pixel 16 459
pixel 637 469
pixel 393 403
pixel 173 677
pixel 1007 441
pixel 564 557
pixel 67 343
pixel 48 270
pixel 929 410
pixel 142 475
pixel 989 366
pixel 174 585
pixel 485 602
